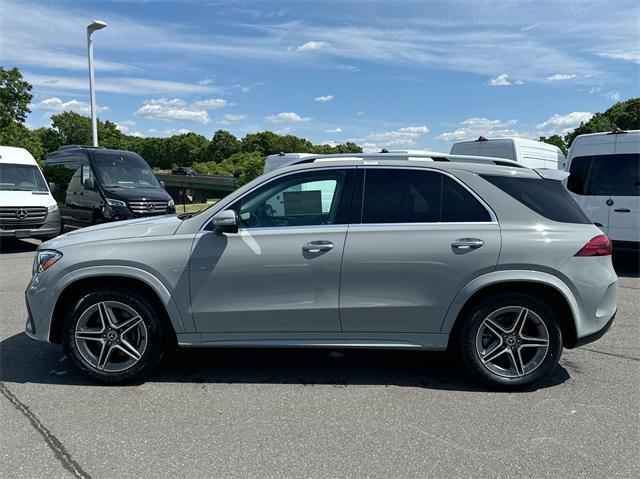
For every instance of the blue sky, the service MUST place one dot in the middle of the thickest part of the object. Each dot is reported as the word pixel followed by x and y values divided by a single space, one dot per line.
pixel 390 74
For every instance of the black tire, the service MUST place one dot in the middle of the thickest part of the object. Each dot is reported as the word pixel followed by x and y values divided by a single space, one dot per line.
pixel 154 336
pixel 492 375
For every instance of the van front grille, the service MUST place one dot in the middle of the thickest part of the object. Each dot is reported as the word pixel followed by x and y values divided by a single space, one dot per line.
pixel 17 217
pixel 148 207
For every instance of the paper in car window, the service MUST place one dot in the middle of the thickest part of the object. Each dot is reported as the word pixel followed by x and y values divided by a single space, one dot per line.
pixel 302 203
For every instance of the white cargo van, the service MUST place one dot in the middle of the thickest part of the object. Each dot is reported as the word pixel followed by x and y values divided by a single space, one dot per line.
pixel 27 208
pixel 529 153
pixel 605 180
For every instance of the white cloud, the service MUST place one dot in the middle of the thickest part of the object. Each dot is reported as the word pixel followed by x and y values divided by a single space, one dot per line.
pixel 518 82
pixel 232 118
pixel 400 138
pixel 324 99
pixel 179 110
pixel 125 125
pixel 612 95
pixel 472 128
pixel 562 77
pixel 174 131
pixel 360 113
pixel 562 124
pixel 210 104
pixel 333 130
pixel 500 80
pixel 56 105
pixel 312 45
pixel 629 56
pixel 206 81
pixel 285 117
pixel 137 134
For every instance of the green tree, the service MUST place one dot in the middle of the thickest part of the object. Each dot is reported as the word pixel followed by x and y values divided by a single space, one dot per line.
pixel 184 149
pixel 72 128
pixel 557 141
pixel 14 97
pixel 16 134
pixel 222 146
pixel 624 115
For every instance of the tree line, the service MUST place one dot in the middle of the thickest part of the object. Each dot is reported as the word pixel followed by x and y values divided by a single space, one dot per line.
pixel 224 153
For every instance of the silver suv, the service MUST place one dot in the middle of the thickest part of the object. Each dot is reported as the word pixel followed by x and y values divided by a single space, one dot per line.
pixel 495 262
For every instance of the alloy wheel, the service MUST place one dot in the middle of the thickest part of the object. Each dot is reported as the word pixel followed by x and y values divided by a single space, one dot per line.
pixel 111 336
pixel 512 341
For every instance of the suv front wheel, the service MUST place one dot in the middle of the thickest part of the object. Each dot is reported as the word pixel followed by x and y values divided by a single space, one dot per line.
pixel 511 340
pixel 114 335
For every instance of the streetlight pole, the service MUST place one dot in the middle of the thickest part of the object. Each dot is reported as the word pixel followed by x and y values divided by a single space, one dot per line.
pixel 92 27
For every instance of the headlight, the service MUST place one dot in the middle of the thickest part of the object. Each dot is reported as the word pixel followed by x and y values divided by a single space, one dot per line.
pixel 45 258
pixel 112 202
pixel 52 208
pixel 171 203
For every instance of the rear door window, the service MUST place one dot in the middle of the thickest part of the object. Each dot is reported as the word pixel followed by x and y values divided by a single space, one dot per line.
pixel 413 196
pixel 605 175
pixel 548 198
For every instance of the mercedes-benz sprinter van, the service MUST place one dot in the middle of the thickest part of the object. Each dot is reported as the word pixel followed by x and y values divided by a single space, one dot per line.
pixel 96 185
pixel 605 180
pixel 27 208
pixel 529 153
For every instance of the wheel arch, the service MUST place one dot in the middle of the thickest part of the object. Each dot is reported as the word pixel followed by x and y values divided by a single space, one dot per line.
pixel 76 288
pixel 558 297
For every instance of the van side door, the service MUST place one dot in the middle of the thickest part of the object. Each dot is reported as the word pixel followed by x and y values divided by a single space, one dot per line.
pixel 88 199
pixel 420 237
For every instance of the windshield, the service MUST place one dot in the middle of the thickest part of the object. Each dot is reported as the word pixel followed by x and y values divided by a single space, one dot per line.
pixel 123 170
pixel 21 178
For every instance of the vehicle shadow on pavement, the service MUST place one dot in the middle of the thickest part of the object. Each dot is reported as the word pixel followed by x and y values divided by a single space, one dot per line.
pixel 18 246
pixel 23 360
pixel 626 264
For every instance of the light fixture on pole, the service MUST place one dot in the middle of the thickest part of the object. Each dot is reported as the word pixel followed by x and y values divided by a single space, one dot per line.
pixel 92 27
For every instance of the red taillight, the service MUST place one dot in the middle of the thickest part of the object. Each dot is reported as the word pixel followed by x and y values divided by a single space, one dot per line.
pixel 598 246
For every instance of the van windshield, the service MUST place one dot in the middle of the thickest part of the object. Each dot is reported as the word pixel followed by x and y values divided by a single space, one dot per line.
pixel 15 177
pixel 120 170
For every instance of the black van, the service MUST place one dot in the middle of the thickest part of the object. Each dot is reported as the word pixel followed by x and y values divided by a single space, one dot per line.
pixel 95 185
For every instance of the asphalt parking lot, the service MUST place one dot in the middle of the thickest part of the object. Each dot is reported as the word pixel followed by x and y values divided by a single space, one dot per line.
pixel 315 413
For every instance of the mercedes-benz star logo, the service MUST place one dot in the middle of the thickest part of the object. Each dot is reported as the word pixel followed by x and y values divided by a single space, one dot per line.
pixel 150 207
pixel 21 214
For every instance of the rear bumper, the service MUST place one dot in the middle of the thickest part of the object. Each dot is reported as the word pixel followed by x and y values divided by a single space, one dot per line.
pixel 597 335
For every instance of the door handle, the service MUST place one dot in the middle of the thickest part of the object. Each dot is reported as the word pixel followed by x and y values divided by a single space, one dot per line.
pixel 466 244
pixel 317 246
pixel 622 210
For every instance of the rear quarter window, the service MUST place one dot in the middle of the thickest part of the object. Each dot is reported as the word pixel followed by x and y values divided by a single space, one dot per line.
pixel 548 198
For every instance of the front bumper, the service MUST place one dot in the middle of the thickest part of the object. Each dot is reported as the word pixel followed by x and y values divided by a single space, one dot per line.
pixel 49 229
pixel 119 213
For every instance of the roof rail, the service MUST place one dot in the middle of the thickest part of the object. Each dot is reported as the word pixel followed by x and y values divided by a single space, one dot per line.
pixel 406 155
pixel 73 147
pixel 617 131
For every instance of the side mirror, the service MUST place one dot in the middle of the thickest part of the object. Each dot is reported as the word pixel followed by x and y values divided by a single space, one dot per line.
pixel 225 222
pixel 88 184
pixel 52 187
pixel 162 183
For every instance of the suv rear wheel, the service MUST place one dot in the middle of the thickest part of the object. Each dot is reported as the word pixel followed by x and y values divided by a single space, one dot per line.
pixel 114 335
pixel 511 340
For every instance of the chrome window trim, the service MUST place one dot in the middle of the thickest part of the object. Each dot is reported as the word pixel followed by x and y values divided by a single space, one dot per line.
pixel 492 215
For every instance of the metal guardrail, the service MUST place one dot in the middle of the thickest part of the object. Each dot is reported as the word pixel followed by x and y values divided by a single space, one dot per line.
pixel 198 182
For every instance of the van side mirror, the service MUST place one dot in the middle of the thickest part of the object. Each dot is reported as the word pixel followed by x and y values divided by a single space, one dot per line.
pixel 225 222
pixel 88 184
pixel 52 187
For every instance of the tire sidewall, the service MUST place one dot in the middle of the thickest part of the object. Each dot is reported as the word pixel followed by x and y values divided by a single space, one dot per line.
pixel 155 341
pixel 476 316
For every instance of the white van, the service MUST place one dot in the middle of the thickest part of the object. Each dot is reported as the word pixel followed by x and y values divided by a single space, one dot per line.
pixel 27 208
pixel 529 153
pixel 605 180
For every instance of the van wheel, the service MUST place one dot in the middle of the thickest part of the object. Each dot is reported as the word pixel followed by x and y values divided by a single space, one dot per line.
pixel 511 340
pixel 114 335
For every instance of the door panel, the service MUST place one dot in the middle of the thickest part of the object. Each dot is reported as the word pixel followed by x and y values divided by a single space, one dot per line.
pixel 263 280
pixel 402 278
